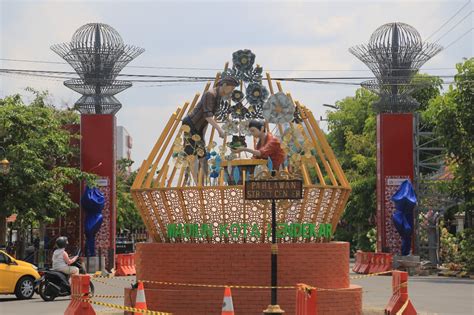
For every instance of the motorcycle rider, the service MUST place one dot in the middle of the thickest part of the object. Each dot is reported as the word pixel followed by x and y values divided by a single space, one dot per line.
pixel 61 260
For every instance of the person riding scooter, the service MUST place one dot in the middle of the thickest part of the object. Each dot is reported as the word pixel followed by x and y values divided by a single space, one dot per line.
pixel 55 282
pixel 61 260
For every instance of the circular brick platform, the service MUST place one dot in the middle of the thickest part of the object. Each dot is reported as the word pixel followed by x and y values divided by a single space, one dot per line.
pixel 324 265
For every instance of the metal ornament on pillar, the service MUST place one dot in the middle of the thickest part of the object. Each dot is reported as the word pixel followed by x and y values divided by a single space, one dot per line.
pixel 395 53
pixel 98 54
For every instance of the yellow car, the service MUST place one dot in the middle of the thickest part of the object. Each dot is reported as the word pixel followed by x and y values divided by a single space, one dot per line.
pixel 17 277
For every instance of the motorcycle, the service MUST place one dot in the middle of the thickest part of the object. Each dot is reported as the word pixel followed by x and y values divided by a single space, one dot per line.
pixel 53 284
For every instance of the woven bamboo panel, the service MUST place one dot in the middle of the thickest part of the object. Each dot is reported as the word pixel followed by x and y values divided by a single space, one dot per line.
pixel 165 196
pixel 221 206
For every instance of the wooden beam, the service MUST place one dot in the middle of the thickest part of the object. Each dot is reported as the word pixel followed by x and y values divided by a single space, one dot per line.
pixel 156 147
pixel 170 152
pixel 310 130
pixel 328 151
pixel 140 175
pixel 170 133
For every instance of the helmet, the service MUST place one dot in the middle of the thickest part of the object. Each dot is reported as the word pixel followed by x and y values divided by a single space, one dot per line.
pixel 61 242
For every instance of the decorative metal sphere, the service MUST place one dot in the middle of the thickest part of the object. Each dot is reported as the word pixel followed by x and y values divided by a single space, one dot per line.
pixel 98 54
pixel 395 53
pixel 395 35
pixel 96 35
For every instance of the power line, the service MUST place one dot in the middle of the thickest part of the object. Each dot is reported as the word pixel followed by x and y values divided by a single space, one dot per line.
pixel 313 81
pixel 175 78
pixel 212 69
pixel 436 41
pixel 457 39
pixel 449 20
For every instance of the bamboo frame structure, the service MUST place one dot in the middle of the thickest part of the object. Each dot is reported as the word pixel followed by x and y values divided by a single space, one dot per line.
pixel 163 197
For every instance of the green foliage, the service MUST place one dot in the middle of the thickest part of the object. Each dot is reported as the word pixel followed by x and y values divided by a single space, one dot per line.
pixel 466 248
pixel 448 247
pixel 372 236
pixel 352 136
pixel 457 251
pixel 39 152
pixel 128 216
pixel 452 116
pixel 431 89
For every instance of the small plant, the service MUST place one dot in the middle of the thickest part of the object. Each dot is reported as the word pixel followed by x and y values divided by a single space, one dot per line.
pixel 372 236
pixel 466 249
pixel 449 248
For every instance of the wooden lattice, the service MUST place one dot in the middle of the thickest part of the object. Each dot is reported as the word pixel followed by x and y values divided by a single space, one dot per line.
pixel 163 198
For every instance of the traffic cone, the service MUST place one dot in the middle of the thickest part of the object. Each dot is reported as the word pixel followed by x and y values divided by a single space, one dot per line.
pixel 227 305
pixel 140 301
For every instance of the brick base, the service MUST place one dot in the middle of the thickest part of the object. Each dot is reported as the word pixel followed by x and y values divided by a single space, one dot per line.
pixel 324 265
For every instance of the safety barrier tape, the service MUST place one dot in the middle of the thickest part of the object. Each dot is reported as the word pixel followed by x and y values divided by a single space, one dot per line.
pixel 230 285
pixel 201 285
pixel 122 307
pixel 219 285
pixel 99 296
pixel 105 296
pixel 371 274
pixel 109 284
pixel 133 280
pixel 113 277
pixel 343 290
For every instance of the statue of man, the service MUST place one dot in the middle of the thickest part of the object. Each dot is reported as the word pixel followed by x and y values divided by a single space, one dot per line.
pixel 202 115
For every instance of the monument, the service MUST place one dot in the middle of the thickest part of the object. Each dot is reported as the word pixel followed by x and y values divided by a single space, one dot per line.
pixel 98 54
pixel 203 228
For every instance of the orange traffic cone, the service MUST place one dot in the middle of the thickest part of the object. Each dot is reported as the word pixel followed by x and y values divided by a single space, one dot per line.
pixel 140 301
pixel 227 305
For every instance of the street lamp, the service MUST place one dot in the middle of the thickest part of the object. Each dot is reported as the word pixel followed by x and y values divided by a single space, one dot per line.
pixel 332 106
pixel 4 164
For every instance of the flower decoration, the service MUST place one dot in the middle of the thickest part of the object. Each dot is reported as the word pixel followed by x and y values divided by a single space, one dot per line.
pixel 297 116
pixel 242 67
pixel 256 93
pixel 222 150
pixel 278 109
pixel 238 111
pixel 231 126
pixel 254 112
pixel 244 128
pixel 237 96
pixel 243 60
pixel 185 128
pixel 295 146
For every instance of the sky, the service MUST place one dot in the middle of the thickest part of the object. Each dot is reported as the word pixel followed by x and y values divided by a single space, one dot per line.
pixel 290 39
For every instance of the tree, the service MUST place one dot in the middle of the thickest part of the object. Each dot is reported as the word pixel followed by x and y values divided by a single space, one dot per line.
pixel 38 148
pixel 431 89
pixel 352 136
pixel 128 217
pixel 452 116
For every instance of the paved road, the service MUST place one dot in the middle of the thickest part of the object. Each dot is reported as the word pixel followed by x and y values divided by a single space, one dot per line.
pixel 430 295
pixel 9 305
